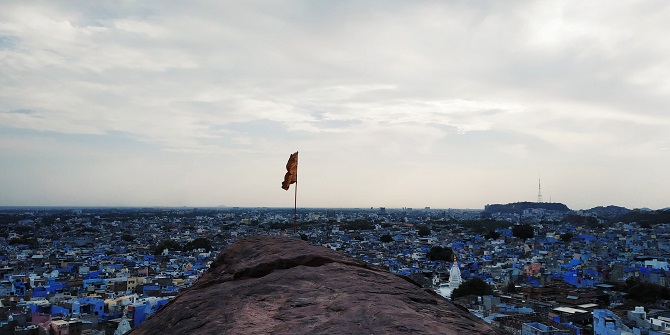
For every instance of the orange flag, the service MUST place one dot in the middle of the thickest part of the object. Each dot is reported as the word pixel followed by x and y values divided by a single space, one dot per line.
pixel 291 175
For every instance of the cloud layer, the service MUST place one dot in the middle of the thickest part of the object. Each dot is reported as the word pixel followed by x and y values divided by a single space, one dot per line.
pixel 391 103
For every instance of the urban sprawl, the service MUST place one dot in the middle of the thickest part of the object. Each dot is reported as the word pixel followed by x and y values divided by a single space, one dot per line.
pixel 550 270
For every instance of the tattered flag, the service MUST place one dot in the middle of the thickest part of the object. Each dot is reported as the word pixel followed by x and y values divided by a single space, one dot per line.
pixel 291 175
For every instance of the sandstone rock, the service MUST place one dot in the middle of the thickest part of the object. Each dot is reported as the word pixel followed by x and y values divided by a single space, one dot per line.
pixel 282 285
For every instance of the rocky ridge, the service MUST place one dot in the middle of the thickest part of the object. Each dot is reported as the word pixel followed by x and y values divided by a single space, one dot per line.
pixel 282 285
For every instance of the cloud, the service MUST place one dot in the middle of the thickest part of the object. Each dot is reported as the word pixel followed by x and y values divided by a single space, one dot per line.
pixel 379 79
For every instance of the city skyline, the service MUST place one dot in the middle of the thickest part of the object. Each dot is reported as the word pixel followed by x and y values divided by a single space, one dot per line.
pixel 390 103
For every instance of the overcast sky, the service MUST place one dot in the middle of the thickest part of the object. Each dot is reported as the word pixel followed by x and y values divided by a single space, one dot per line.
pixel 447 104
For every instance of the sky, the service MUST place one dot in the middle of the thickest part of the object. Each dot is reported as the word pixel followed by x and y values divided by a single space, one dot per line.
pixel 441 104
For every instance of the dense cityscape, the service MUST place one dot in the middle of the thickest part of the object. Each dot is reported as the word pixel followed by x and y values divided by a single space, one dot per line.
pixel 142 145
pixel 526 268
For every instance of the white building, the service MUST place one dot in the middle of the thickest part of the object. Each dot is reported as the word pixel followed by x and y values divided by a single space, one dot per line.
pixel 455 279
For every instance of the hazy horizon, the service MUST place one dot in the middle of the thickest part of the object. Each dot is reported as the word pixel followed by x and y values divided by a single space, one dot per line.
pixel 223 207
pixel 447 104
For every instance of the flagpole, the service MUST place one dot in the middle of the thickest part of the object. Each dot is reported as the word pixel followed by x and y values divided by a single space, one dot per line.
pixel 291 177
pixel 295 205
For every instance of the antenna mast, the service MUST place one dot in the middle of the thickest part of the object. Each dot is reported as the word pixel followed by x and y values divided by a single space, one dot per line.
pixel 539 190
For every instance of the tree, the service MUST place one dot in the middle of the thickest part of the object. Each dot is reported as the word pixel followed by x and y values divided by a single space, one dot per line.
pixel 510 287
pixel 492 234
pixel 438 253
pixel 523 231
pixel 645 293
pixel 423 231
pixel 386 238
pixel 23 229
pixel 579 220
pixel 167 244
pixel 474 286
pixel 25 240
pixel 359 225
pixel 566 237
pixel 199 243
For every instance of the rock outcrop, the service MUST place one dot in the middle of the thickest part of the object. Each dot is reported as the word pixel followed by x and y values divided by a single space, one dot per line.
pixel 282 285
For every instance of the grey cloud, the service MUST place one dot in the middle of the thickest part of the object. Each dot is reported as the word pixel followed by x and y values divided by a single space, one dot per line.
pixel 528 80
pixel 20 111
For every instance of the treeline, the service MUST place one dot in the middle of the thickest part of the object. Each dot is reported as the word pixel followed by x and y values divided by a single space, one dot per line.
pixel 475 286
pixel 580 220
pixel 30 241
pixel 519 207
pixel 639 292
pixel 646 218
pixel 172 245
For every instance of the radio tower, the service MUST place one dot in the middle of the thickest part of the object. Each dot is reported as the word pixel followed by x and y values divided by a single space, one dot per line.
pixel 539 190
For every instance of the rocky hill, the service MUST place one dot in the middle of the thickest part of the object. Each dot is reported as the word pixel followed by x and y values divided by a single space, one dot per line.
pixel 282 285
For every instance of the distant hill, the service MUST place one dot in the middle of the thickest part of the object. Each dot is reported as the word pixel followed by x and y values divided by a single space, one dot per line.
pixel 521 206
pixel 645 217
pixel 608 212
pixel 283 285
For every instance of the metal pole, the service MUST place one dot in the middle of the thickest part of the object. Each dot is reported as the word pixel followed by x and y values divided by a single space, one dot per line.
pixel 295 205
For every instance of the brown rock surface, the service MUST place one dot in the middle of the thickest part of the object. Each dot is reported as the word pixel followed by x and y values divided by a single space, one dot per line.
pixel 282 285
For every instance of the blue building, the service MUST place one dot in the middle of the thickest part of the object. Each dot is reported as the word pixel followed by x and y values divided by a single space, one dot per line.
pixel 606 322
pixel 536 328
